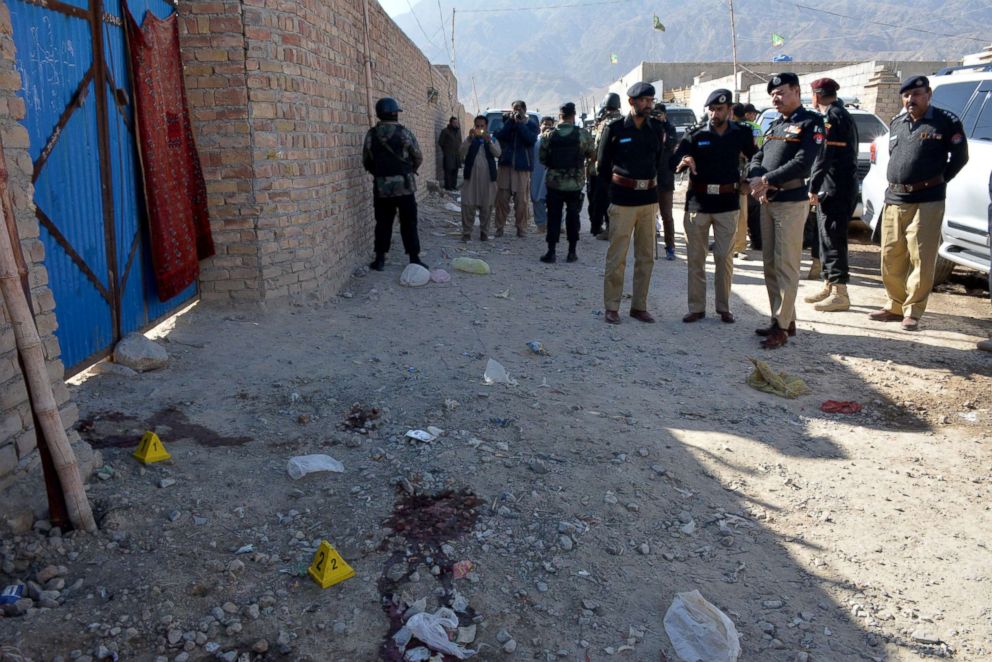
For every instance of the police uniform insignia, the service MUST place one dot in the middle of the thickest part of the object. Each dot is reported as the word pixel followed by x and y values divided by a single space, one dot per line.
pixel 957 139
pixel 826 125
pixel 919 82
pixel 722 99
pixel 776 81
pixel 818 137
pixel 794 129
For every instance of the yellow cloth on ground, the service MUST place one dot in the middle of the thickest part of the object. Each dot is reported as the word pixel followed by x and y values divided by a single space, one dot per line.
pixel 765 379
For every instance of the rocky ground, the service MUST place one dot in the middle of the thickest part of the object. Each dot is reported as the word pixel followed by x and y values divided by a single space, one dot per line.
pixel 558 516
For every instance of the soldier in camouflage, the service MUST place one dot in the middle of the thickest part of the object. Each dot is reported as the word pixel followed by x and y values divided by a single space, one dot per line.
pixel 563 152
pixel 392 155
pixel 598 219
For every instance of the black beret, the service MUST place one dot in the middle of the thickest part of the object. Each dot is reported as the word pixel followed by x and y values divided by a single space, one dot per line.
pixel 568 109
pixel 914 82
pixel 719 96
pixel 638 90
pixel 660 108
pixel 749 108
pixel 778 80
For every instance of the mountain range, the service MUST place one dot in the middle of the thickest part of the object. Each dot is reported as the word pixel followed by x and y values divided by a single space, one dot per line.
pixel 550 51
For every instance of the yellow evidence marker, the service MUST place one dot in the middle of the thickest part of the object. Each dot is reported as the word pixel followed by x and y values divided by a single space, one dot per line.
pixel 328 568
pixel 151 449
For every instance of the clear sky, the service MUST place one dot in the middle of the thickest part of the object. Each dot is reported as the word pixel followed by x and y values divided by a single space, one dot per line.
pixel 395 7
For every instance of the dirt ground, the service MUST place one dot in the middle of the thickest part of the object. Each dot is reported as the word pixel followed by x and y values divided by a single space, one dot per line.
pixel 628 464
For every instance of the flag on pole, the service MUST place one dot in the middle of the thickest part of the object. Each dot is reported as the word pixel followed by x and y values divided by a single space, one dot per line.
pixel 658 25
pixel 778 40
pixel 614 59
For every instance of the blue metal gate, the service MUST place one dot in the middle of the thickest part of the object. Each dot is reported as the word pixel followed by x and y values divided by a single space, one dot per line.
pixel 87 187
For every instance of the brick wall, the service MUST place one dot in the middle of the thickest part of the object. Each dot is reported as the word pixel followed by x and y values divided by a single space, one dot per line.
pixel 278 98
pixel 17 434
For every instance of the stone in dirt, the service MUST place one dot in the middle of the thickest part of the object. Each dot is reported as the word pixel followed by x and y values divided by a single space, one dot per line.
pixel 139 353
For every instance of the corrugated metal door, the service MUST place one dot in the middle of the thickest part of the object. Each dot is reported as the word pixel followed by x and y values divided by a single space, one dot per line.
pixel 73 65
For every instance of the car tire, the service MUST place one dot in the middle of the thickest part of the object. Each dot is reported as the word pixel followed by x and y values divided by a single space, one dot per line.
pixel 942 270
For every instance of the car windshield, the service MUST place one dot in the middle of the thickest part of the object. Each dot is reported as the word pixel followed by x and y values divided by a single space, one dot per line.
pixel 681 116
pixel 869 127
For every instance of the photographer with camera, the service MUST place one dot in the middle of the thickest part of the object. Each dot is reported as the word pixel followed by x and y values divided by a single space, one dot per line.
pixel 516 139
pixel 479 152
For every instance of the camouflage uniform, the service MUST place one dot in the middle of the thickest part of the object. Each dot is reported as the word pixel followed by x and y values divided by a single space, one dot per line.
pixel 563 147
pixel 599 192
pixel 392 155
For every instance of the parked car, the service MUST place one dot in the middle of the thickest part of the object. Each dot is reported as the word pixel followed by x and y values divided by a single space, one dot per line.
pixel 870 126
pixel 681 117
pixel 966 92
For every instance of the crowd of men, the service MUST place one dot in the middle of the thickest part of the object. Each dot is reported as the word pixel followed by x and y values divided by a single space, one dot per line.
pixel 740 181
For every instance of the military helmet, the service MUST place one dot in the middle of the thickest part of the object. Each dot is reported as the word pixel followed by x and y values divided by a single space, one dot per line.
pixel 387 106
pixel 611 101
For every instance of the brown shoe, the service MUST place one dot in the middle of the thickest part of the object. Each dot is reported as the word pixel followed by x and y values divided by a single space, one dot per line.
pixel 693 317
pixel 727 317
pixel 910 324
pixel 612 317
pixel 642 316
pixel 767 331
pixel 884 315
pixel 775 339
pixel 521 234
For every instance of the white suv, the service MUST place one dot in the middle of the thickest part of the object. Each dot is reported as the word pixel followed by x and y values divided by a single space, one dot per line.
pixel 966 92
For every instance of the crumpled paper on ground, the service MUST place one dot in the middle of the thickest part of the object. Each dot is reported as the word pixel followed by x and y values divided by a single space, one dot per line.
pixel 782 384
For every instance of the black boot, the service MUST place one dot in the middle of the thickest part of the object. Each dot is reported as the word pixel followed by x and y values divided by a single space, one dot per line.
pixel 415 259
pixel 379 262
pixel 571 257
pixel 549 257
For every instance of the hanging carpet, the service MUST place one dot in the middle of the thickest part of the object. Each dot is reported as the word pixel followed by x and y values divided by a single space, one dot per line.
pixel 175 192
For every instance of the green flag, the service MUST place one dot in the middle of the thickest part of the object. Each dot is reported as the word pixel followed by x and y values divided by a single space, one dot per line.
pixel 778 40
pixel 658 24
pixel 614 59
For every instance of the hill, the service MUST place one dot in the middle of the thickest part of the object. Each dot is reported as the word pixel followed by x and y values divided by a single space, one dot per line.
pixel 547 55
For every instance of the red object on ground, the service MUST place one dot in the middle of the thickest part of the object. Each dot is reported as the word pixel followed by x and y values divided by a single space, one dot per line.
pixel 175 192
pixel 840 407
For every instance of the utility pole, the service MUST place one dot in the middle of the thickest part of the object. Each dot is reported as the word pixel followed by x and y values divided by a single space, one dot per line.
pixel 478 109
pixel 733 39
pixel 452 38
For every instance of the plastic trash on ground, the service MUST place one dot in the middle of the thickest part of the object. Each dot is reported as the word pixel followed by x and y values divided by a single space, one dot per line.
pixel 765 379
pixel 496 374
pixel 301 465
pixel 700 631
pixel 537 347
pixel 451 206
pixel 420 435
pixel 430 629
pixel 415 275
pixel 470 265
pixel 440 276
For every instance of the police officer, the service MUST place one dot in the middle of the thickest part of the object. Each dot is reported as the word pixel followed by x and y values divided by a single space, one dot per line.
pixel 927 148
pixel 778 176
pixel 666 181
pixel 711 151
pixel 564 151
pixel 630 151
pixel 392 155
pixel 600 196
pixel 833 190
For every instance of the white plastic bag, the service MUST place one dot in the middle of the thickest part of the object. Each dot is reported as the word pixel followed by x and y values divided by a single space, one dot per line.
pixel 699 631
pixel 496 374
pixel 414 276
pixel 430 629
pixel 440 276
pixel 301 465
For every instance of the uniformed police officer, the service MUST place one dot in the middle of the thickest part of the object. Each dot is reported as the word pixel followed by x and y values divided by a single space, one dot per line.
pixel 778 175
pixel 600 189
pixel 564 151
pixel 630 151
pixel 927 148
pixel 392 155
pixel 833 190
pixel 711 151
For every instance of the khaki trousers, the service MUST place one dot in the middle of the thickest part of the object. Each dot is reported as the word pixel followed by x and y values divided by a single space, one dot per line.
pixel 697 232
pixel 740 239
pixel 513 184
pixel 910 239
pixel 468 218
pixel 782 225
pixel 625 220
